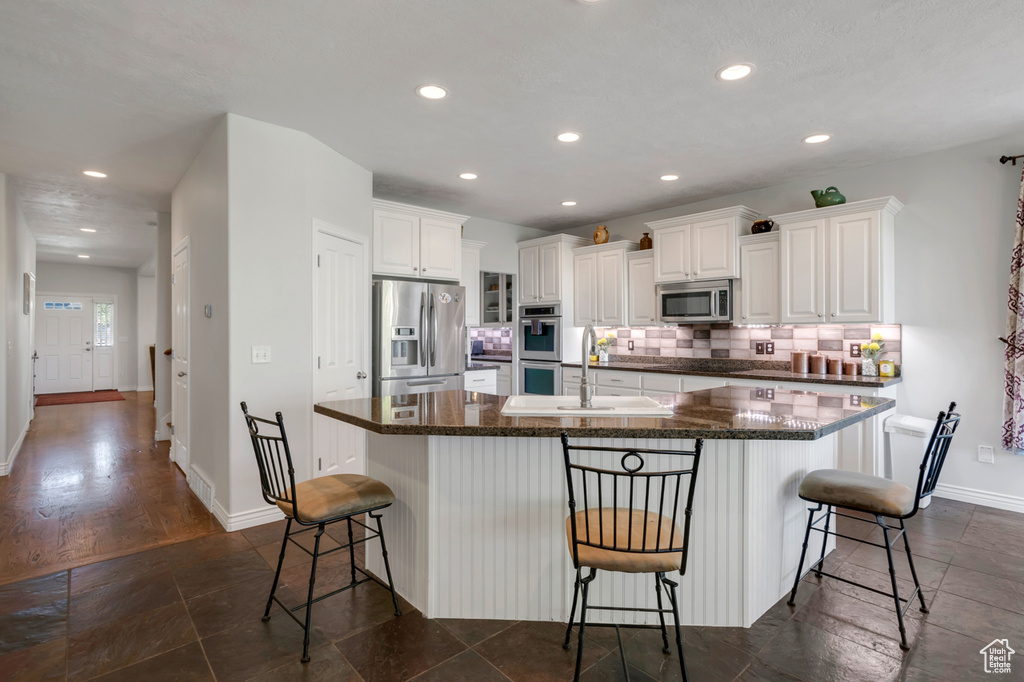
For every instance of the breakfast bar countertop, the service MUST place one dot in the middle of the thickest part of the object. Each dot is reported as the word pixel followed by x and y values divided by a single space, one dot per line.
pixel 734 412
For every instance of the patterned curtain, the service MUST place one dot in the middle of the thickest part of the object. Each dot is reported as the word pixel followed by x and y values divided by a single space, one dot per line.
pixel 1013 400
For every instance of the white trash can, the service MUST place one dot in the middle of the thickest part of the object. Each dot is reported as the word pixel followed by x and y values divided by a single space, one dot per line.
pixel 906 439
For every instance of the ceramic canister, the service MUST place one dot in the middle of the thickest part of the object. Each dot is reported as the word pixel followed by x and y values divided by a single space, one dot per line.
pixel 818 364
pixel 851 368
pixel 799 362
pixel 835 366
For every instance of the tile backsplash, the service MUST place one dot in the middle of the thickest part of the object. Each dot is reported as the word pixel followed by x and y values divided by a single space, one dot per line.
pixel 494 338
pixel 727 341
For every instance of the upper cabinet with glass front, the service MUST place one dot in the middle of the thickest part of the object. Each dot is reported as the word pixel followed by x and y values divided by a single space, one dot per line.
pixel 409 241
pixel 497 293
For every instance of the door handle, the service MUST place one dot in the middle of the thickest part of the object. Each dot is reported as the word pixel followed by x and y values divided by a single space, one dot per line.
pixel 87 350
pixel 433 333
pixel 423 330
pixel 360 375
pixel 181 374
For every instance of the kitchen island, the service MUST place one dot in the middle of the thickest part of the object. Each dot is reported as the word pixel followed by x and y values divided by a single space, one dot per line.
pixel 478 527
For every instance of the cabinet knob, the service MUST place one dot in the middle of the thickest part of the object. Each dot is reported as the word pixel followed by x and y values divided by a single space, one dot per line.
pixel 415 268
pixel 833 314
pixel 821 314
pixel 744 317
pixel 424 269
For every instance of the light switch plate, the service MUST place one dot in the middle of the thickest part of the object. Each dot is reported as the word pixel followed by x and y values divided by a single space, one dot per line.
pixel 986 454
pixel 759 348
pixel 260 355
pixel 631 344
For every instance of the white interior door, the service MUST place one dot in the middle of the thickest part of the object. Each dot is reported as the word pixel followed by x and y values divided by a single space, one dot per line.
pixel 104 336
pixel 180 284
pixel 341 327
pixel 64 343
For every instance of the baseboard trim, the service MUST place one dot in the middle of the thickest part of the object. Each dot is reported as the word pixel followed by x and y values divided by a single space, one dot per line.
pixel 8 465
pixel 142 389
pixel 126 389
pixel 980 497
pixel 246 519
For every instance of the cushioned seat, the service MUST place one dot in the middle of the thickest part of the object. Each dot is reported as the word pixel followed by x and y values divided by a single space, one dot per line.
pixel 328 497
pixel 863 492
pixel 628 557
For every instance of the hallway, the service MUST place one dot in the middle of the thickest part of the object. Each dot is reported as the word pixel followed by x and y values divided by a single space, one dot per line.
pixel 90 484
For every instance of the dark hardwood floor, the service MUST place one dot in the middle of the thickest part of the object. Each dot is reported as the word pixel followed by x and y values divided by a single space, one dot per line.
pixel 91 484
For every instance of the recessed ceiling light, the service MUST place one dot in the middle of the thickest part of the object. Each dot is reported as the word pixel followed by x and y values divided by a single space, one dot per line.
pixel 432 91
pixel 94 174
pixel 735 72
pixel 568 137
pixel 669 178
pixel 467 176
pixel 815 139
pixel 568 203
pixel 86 229
pixel 82 256
pixel 590 2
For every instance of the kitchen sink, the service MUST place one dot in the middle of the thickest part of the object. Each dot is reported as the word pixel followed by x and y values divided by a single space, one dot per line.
pixel 569 406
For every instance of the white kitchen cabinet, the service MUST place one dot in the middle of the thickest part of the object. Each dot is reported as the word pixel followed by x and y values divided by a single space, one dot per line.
pixel 661 384
pixel 504 379
pixel 599 284
pixel 697 383
pixel 469 277
pixel 545 270
pixel 672 254
pixel 802 266
pixel 701 246
pixel 409 241
pixel 641 304
pixel 759 280
pixel 837 264
pixel 481 380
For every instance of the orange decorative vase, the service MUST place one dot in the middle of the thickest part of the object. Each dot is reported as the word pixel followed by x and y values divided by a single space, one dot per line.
pixel 601 234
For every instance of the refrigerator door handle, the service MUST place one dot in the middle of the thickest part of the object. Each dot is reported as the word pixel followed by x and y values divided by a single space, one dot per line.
pixel 423 330
pixel 433 332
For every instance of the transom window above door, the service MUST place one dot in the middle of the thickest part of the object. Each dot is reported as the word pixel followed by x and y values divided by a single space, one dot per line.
pixel 61 305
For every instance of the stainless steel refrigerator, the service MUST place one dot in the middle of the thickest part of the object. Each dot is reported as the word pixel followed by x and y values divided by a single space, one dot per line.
pixel 419 337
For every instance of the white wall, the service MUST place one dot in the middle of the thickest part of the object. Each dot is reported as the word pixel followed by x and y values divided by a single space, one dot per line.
pixel 18 257
pixel 64 278
pixel 162 402
pixel 279 181
pixel 145 333
pixel 500 254
pixel 953 243
pixel 199 211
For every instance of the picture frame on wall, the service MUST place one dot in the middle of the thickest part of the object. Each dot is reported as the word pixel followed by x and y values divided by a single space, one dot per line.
pixel 30 293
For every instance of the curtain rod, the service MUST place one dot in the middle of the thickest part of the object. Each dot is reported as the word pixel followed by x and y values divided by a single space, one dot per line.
pixel 1004 159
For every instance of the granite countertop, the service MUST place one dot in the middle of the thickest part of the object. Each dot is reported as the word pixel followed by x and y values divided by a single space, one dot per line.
pixel 474 366
pixel 733 412
pixel 492 358
pixel 750 369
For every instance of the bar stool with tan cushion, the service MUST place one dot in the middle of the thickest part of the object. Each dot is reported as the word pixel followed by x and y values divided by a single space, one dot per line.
pixel 884 499
pixel 627 518
pixel 315 504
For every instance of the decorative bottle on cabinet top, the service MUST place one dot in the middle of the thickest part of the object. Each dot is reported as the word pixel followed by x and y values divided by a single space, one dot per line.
pixel 601 234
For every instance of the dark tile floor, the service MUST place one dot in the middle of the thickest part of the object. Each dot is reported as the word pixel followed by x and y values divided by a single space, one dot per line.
pixel 191 611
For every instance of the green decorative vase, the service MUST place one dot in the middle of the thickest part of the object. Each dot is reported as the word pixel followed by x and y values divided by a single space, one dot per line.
pixel 829 197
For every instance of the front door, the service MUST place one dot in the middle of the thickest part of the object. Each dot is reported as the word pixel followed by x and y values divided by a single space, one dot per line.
pixel 341 324
pixel 179 365
pixel 64 344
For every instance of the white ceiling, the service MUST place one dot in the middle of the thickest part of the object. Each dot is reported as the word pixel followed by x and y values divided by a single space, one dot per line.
pixel 134 88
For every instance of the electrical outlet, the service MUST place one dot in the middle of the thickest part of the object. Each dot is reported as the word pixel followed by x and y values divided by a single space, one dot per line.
pixel 854 350
pixel 759 348
pixel 631 344
pixel 769 347
pixel 986 454
pixel 260 355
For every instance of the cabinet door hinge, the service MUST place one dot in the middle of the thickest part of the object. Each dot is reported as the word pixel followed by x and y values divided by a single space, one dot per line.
pixel 319 463
pixel 172 279
pixel 318 260
pixel 172 429
pixel 318 362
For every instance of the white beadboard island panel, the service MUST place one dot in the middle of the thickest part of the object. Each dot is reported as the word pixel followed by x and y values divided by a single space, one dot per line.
pixel 478 530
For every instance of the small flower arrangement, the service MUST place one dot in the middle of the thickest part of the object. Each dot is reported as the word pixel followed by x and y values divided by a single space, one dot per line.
pixel 873 348
pixel 602 348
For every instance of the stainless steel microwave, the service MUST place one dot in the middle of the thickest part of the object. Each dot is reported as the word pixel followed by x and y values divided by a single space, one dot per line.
pixel 687 302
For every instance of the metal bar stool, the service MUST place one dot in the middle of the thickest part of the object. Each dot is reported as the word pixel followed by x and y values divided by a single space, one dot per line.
pixel 642 536
pixel 316 504
pixel 884 499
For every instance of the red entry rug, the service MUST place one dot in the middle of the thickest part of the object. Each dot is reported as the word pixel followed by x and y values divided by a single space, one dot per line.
pixel 75 398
